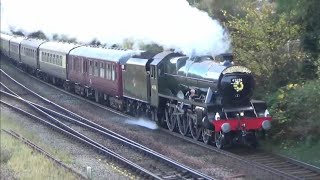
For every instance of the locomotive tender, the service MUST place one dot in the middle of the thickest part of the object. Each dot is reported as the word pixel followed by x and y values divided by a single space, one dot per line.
pixel 207 97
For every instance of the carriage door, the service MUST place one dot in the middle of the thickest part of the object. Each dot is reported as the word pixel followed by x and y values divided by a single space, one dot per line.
pixel 84 70
pixel 154 86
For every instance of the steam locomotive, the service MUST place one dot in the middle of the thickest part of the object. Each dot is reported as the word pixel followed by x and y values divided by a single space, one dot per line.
pixel 206 97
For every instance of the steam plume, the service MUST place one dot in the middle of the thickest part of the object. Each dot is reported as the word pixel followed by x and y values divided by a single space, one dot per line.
pixel 169 23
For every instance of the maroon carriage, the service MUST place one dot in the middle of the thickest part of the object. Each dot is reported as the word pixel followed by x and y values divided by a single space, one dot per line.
pixel 97 72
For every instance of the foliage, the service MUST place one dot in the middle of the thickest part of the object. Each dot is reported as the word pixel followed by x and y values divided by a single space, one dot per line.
pixel 215 8
pixel 95 42
pixel 38 34
pixel 295 108
pixel 19 32
pixel 151 47
pixel 307 15
pixel 267 43
pixel 64 38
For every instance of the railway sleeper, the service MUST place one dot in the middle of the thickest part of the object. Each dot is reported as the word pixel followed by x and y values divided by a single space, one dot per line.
pixel 300 172
pixel 270 161
pixel 289 169
pixel 312 176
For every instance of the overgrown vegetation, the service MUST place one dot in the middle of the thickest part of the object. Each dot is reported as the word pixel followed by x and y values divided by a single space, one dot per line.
pixel 28 164
pixel 296 109
pixel 8 122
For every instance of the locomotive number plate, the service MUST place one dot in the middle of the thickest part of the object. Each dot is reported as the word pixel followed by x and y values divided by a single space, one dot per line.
pixel 237 84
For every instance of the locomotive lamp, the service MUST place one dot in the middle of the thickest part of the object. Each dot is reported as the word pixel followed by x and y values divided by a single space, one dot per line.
pixel 225 127
pixel 266 113
pixel 217 116
pixel 266 124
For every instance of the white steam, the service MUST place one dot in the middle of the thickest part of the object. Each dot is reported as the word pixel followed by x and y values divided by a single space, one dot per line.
pixel 144 123
pixel 170 23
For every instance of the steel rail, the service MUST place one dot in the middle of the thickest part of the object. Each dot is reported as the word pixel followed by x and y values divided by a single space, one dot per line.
pixel 125 141
pixel 106 132
pixel 81 138
pixel 43 152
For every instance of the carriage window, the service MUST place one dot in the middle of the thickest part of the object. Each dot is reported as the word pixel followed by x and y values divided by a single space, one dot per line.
pixel 90 68
pixel 78 63
pixel 60 61
pixel 54 59
pixel 109 72
pixel 83 69
pixel 115 72
pixel 102 69
pixel 50 58
pixel 96 69
pixel 105 70
pixel 113 75
pixel 74 64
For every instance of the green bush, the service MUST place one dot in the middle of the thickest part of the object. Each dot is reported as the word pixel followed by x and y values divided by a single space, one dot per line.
pixel 5 155
pixel 296 112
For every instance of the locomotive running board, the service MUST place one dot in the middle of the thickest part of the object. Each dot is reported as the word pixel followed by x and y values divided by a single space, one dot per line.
pixel 246 108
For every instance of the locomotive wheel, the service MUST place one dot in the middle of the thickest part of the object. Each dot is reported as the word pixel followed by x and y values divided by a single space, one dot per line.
pixel 219 140
pixel 171 119
pixel 195 129
pixel 183 124
pixel 206 136
pixel 134 110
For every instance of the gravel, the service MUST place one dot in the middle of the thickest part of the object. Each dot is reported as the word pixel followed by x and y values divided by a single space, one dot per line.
pixel 7 173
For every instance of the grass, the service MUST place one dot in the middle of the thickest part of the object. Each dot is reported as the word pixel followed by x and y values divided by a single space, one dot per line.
pixel 303 151
pixel 23 161
pixel 8 122
pixel 28 164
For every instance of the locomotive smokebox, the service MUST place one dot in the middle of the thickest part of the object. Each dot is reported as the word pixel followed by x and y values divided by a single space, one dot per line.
pixel 236 84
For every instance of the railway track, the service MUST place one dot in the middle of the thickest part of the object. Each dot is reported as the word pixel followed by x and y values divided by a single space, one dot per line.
pixel 276 165
pixel 147 162
pixel 284 167
pixel 43 152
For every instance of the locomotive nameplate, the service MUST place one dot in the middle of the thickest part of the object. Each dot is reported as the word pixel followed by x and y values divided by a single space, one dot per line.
pixel 234 69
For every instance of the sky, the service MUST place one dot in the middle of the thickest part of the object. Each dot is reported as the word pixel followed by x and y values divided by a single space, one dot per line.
pixel 169 23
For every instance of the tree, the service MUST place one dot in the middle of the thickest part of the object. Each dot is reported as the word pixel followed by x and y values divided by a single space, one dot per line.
pixel 19 32
pixel 307 15
pixel 215 8
pixel 38 34
pixel 267 43
pixel 95 42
